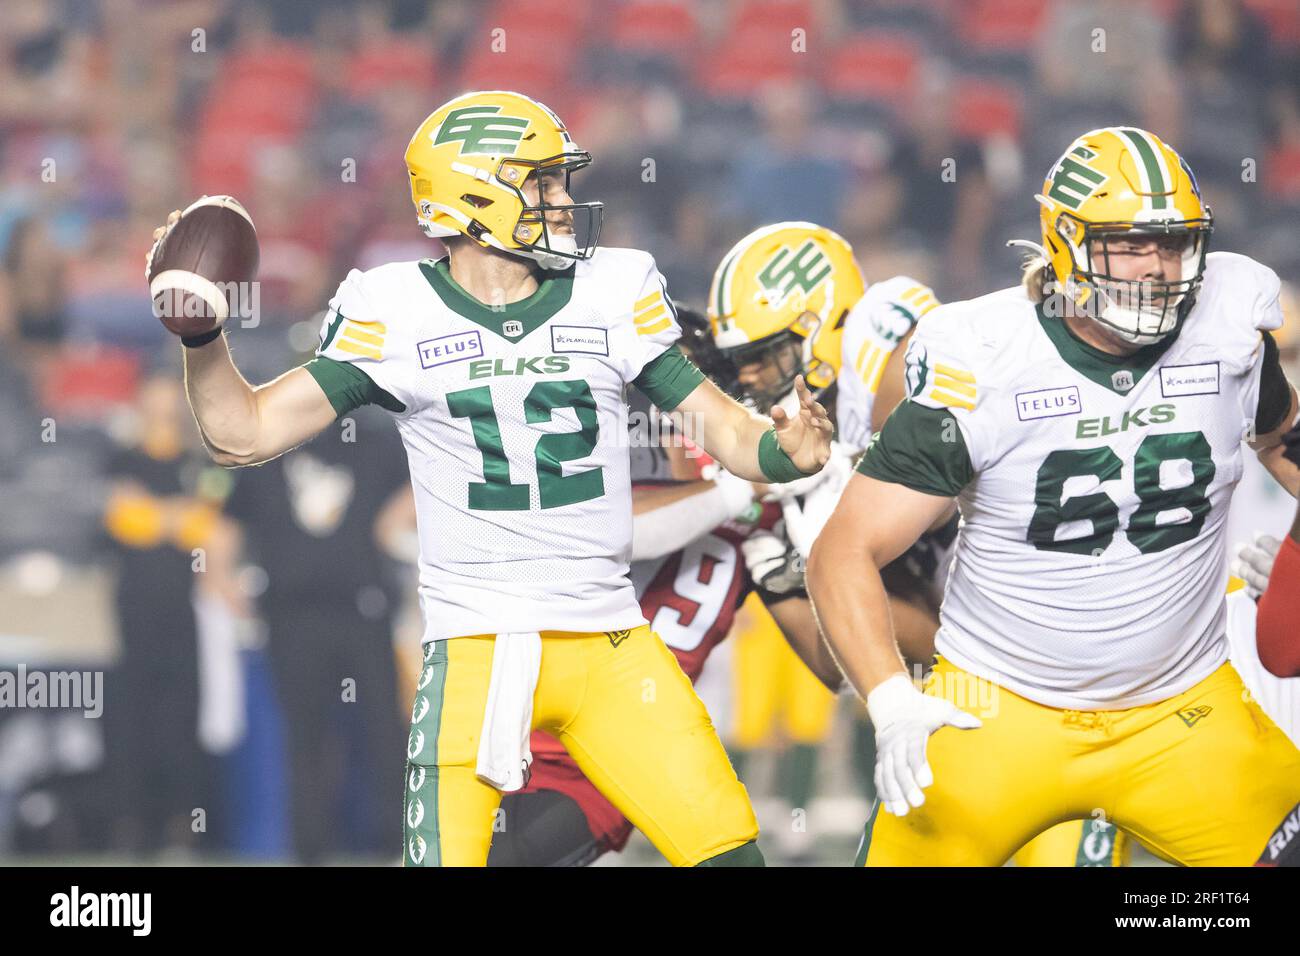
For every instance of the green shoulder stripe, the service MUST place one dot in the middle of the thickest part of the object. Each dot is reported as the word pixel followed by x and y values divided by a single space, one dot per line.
pixel 348 388
pixel 920 448
pixel 668 379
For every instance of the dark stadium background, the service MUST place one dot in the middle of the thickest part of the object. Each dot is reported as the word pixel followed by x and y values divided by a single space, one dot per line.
pixel 919 130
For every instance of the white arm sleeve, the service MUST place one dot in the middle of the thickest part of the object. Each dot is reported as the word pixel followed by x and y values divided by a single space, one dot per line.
pixel 672 527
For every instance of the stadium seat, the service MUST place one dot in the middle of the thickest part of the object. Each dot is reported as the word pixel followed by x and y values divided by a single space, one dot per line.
pixel 1003 25
pixel 772 16
pixel 657 28
pixel 1282 17
pixel 375 68
pixel 1282 173
pixel 983 108
pixel 875 66
pixel 563 21
pixel 740 67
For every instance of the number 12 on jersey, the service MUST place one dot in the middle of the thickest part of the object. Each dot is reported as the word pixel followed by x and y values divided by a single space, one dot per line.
pixel 554 488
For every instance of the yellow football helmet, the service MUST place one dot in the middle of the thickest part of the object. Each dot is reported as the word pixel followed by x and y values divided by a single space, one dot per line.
pixel 468 162
pixel 1124 183
pixel 783 292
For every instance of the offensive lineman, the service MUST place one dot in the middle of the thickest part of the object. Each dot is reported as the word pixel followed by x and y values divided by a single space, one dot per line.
pixel 504 365
pixel 1089 423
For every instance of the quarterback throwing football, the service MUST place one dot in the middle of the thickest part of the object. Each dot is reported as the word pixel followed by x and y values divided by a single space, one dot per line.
pixel 1090 425
pixel 504 365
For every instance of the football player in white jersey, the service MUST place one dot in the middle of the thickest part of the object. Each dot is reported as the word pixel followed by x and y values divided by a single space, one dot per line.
pixel 1089 424
pixel 504 365
pixel 789 300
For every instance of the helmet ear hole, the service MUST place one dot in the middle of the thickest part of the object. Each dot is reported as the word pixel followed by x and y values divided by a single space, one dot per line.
pixel 478 202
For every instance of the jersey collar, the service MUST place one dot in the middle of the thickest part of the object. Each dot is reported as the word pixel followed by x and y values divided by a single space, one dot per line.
pixel 552 294
pixel 1098 366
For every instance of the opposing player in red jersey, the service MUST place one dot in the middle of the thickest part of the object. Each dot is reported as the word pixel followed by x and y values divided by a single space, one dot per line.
pixel 1277 629
pixel 690 574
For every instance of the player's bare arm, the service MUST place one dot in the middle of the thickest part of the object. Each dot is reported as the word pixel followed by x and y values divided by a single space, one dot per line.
pixel 794 615
pixel 1271 451
pixel 732 433
pixel 243 424
pixel 853 610
pixel 851 605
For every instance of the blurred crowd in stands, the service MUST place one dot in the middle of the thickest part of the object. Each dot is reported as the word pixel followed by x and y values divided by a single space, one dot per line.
pixel 919 129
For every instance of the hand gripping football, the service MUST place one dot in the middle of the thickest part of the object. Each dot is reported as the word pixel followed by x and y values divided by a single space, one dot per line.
pixel 203 268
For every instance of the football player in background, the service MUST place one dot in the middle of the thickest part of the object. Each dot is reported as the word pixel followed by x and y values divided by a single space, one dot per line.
pixel 788 300
pixel 690 575
pixel 1277 630
pixel 1089 422
pixel 504 364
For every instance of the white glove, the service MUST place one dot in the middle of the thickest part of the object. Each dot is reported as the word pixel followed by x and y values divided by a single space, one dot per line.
pixel 904 719
pixel 1254 563
pixel 768 558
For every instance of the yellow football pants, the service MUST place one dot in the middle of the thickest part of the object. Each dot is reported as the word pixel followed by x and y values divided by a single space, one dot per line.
pixel 1200 779
pixel 623 709
pixel 773 689
pixel 1077 844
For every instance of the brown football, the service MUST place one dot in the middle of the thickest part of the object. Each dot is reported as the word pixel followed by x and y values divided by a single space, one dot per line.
pixel 204 268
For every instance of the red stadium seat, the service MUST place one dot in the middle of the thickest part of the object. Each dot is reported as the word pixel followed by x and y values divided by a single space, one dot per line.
pixel 663 28
pixel 399 63
pixel 90 384
pixel 1282 173
pixel 1000 25
pixel 738 68
pixel 274 65
pixel 759 17
pixel 1282 17
pixel 876 67
pixel 562 21
pixel 984 108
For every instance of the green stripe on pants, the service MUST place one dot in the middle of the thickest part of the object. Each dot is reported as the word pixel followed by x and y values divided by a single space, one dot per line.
pixel 420 843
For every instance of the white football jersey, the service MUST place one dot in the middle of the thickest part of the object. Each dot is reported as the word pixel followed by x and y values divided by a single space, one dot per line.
pixel 872 330
pixel 515 426
pixel 1090 570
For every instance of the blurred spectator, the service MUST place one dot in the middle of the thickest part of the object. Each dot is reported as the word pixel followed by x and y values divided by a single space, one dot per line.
pixel 309 521
pixel 156 518
pixel 34 274
pixel 1101 63
pixel 936 195
pixel 782 173
pixel 1225 53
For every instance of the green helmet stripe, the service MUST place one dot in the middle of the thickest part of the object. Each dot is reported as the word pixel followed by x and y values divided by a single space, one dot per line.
pixel 724 273
pixel 1146 152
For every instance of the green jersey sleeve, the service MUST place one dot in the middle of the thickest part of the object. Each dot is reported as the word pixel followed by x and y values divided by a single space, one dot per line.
pixel 668 379
pixel 348 388
pixel 921 448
